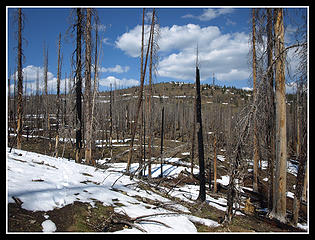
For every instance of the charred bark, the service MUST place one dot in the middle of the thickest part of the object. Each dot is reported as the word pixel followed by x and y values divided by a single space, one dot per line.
pixel 202 190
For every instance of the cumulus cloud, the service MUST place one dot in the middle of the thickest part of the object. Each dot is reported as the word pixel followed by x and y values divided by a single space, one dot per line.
pixel 222 54
pixel 116 69
pixel 30 74
pixel 210 13
pixel 171 38
pixel 130 42
pixel 106 82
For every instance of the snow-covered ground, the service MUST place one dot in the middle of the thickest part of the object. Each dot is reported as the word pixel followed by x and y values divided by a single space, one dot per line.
pixel 43 183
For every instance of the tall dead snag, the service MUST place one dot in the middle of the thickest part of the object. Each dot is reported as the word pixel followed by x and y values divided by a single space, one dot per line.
pixel 271 112
pixel 202 190
pixel 302 157
pixel 78 133
pixel 255 172
pixel 149 101
pixel 88 95
pixel 58 99
pixel 140 96
pixel 20 84
pixel 46 101
pixel 95 87
pixel 279 199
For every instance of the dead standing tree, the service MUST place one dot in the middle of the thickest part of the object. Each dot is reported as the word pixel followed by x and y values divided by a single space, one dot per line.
pixel 20 83
pixel 202 190
pixel 88 95
pixel 46 101
pixel 153 46
pixel 255 172
pixel 236 153
pixel 78 89
pixel 302 156
pixel 58 98
pixel 140 96
pixel 271 108
pixel 279 199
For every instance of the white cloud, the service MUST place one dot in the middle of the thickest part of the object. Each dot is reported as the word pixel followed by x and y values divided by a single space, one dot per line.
pixel 130 42
pixel 171 38
pixel 116 69
pixel 223 54
pixel 119 82
pixel 232 75
pixel 210 13
pixel 29 78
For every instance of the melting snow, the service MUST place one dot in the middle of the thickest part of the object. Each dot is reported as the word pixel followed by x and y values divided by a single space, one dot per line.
pixel 43 183
pixel 49 226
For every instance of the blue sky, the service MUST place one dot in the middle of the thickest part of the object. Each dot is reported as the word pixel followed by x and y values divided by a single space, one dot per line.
pixel 222 35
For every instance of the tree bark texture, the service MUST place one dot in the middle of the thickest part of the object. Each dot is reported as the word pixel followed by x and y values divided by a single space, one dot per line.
pixel 193 141
pixel 255 172
pixel 279 198
pixel 88 95
pixel 271 125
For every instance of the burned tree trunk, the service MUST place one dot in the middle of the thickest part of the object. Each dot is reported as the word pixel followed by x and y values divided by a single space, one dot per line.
pixel 88 97
pixel 140 96
pixel 150 108
pixel 193 141
pixel 20 84
pixel 78 132
pixel 202 190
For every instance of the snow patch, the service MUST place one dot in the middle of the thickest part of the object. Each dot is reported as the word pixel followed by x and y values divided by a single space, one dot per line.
pixel 49 226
